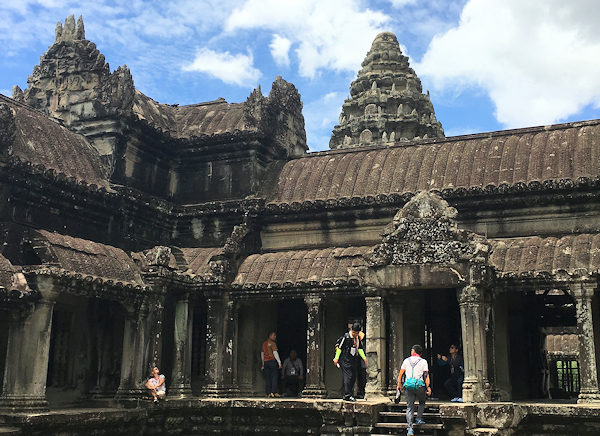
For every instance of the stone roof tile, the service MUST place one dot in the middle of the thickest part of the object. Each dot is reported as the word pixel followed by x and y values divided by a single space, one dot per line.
pixel 196 260
pixel 85 257
pixel 567 151
pixel 531 255
pixel 43 141
pixel 317 267
pixel 210 118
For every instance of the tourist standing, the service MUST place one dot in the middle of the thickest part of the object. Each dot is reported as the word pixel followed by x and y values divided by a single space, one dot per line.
pixel 457 373
pixel 292 375
pixel 416 385
pixel 156 385
pixel 349 349
pixel 271 364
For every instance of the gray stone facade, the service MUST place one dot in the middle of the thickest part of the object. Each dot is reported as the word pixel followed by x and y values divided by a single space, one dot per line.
pixel 137 234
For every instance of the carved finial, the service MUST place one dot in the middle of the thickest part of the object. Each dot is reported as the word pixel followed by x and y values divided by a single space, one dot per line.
pixel 80 31
pixel 374 85
pixel 58 31
pixel 384 137
pixel 17 93
pixel 392 136
pixel 69 29
pixel 393 87
pixel 400 109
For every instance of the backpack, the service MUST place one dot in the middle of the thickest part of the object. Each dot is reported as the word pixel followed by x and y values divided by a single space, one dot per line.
pixel 413 384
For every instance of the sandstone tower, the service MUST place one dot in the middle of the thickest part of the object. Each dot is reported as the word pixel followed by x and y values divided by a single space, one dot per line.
pixel 386 103
pixel 73 83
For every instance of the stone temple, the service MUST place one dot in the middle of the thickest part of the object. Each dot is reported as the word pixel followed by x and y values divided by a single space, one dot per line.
pixel 136 233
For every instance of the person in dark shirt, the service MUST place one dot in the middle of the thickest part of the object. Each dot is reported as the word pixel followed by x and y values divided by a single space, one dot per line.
pixel 349 350
pixel 457 373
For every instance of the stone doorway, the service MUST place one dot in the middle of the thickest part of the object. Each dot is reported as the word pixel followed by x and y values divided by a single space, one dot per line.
pixel 291 328
pixel 442 329
pixel 537 320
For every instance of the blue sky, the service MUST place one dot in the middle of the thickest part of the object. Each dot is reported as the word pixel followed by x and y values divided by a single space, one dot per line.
pixel 488 64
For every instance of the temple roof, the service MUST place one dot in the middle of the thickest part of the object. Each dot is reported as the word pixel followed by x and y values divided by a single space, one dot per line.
pixel 532 255
pixel 84 257
pixel 210 118
pixel 342 266
pixel 36 138
pixel 386 101
pixel 563 151
pixel 321 267
pixel 196 260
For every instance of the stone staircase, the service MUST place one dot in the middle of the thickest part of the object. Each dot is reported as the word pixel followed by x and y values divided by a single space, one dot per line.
pixel 392 420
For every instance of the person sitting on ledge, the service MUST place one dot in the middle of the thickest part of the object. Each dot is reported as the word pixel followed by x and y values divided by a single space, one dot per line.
pixel 156 385
pixel 292 375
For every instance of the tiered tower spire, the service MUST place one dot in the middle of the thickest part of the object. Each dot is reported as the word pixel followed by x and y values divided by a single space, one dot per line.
pixel 386 103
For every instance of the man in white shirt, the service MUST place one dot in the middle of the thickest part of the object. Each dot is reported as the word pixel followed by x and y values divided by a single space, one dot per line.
pixel 416 385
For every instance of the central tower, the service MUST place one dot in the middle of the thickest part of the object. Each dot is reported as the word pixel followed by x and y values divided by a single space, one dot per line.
pixel 386 103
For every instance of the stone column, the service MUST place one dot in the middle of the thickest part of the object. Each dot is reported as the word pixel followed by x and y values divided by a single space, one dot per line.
pixel 26 368
pixel 474 314
pixel 229 347
pixel 396 341
pixel 583 293
pixel 181 385
pixel 315 387
pixel 220 330
pixel 375 347
pixel 134 371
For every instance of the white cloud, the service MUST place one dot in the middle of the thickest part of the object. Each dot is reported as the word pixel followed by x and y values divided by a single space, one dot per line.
pixel 320 116
pixel 538 62
pixel 280 48
pixel 333 34
pixel 234 69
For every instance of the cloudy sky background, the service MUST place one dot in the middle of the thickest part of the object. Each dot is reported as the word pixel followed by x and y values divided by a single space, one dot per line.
pixel 488 64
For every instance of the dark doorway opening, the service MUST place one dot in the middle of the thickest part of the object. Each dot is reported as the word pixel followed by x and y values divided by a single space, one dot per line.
pixel 543 341
pixel 291 328
pixel 442 329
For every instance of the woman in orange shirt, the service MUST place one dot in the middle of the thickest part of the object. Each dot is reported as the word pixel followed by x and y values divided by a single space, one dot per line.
pixel 271 364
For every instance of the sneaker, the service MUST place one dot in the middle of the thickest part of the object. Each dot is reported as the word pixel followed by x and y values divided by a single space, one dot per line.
pixel 419 422
pixel 454 400
pixel 271 395
pixel 410 432
pixel 276 395
pixel 360 397
pixel 459 400
pixel 351 399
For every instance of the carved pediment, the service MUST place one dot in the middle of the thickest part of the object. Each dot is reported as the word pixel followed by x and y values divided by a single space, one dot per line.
pixel 424 231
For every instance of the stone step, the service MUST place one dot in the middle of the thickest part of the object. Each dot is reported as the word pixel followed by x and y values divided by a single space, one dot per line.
pixel 404 425
pixel 403 414
pixel 6 430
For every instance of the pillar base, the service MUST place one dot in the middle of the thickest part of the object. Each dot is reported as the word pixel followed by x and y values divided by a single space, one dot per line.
pixel 314 392
pixel 131 393
pixel 588 397
pixel 23 404
pixel 183 391
pixel 474 392
pixel 219 392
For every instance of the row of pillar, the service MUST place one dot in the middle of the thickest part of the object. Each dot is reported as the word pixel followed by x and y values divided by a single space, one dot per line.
pixel 29 343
